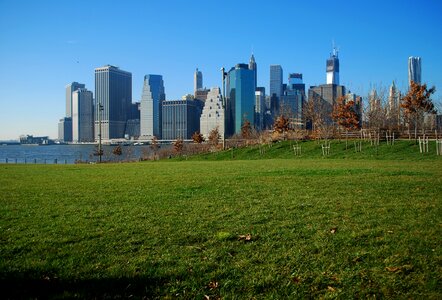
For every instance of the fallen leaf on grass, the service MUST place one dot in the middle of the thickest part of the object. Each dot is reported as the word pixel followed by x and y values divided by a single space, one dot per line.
pixel 404 268
pixel 331 289
pixel 245 237
pixel 213 285
pixel 296 279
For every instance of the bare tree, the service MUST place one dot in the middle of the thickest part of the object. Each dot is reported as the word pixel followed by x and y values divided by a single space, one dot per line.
pixel 154 146
pixel 376 109
pixel 317 112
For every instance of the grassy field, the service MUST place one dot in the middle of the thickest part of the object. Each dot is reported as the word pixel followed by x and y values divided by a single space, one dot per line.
pixel 241 229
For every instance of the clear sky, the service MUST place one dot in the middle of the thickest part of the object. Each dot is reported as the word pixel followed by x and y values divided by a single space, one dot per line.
pixel 45 45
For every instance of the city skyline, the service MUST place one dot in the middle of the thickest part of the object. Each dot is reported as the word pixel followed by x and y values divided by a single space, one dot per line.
pixel 375 41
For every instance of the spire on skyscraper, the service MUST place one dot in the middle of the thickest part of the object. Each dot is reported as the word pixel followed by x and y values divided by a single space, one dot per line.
pixel 253 66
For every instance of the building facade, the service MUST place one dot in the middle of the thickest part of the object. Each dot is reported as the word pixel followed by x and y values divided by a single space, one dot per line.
pixel 113 93
pixel 212 115
pixel 201 94
pixel 180 118
pixel 240 98
pixel 65 130
pixel 414 69
pixel 292 102
pixel 150 108
pixel 82 116
pixel 70 88
pixel 260 108
pixel 394 108
pixel 275 81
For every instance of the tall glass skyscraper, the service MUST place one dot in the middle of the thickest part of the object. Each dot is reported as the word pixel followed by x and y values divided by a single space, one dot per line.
pixel 414 69
pixel 197 81
pixel 82 116
pixel 275 80
pixel 260 96
pixel 113 91
pixel 241 97
pixel 332 68
pixel 293 99
pixel 150 107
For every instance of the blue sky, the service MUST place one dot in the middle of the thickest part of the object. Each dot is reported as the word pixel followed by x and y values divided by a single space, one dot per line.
pixel 44 45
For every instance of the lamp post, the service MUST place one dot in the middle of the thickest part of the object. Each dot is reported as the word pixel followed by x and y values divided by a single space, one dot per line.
pixel 100 150
pixel 223 98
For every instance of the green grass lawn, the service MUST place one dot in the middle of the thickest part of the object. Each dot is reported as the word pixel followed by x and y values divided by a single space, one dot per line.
pixel 318 227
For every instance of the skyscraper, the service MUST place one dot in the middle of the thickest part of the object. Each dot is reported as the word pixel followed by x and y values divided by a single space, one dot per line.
pixel 65 130
pixel 414 69
pixel 325 95
pixel 275 80
pixel 333 68
pixel 82 116
pixel 70 88
pixel 293 99
pixel 253 66
pixel 197 81
pixel 113 91
pixel 260 107
pixel 150 110
pixel 241 97
pixel 212 115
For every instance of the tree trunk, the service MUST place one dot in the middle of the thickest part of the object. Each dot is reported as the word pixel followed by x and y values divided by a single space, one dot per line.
pixel 415 128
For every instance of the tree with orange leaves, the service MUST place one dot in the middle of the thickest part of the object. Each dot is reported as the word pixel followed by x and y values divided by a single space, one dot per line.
pixel 345 115
pixel 417 102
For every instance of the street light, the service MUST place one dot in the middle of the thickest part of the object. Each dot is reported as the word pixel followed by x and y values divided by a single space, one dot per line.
pixel 100 150
pixel 223 98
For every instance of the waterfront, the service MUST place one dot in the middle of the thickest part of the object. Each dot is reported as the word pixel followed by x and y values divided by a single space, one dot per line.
pixel 68 154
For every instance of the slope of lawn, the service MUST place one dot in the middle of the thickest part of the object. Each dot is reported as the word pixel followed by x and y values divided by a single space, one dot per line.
pixel 351 149
pixel 269 228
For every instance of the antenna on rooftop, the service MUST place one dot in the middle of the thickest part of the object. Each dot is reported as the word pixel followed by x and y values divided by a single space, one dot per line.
pixel 335 48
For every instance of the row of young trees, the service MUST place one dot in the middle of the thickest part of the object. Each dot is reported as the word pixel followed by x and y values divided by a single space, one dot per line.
pixel 413 109
pixel 325 119
pixel 379 113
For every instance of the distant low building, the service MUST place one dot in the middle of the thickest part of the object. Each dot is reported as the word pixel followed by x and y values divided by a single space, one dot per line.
pixel 35 140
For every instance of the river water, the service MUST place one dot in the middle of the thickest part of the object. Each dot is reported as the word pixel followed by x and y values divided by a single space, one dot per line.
pixel 68 154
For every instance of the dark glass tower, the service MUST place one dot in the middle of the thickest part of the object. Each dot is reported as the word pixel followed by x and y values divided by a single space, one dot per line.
pixel 241 97
pixel 113 91
pixel 150 107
